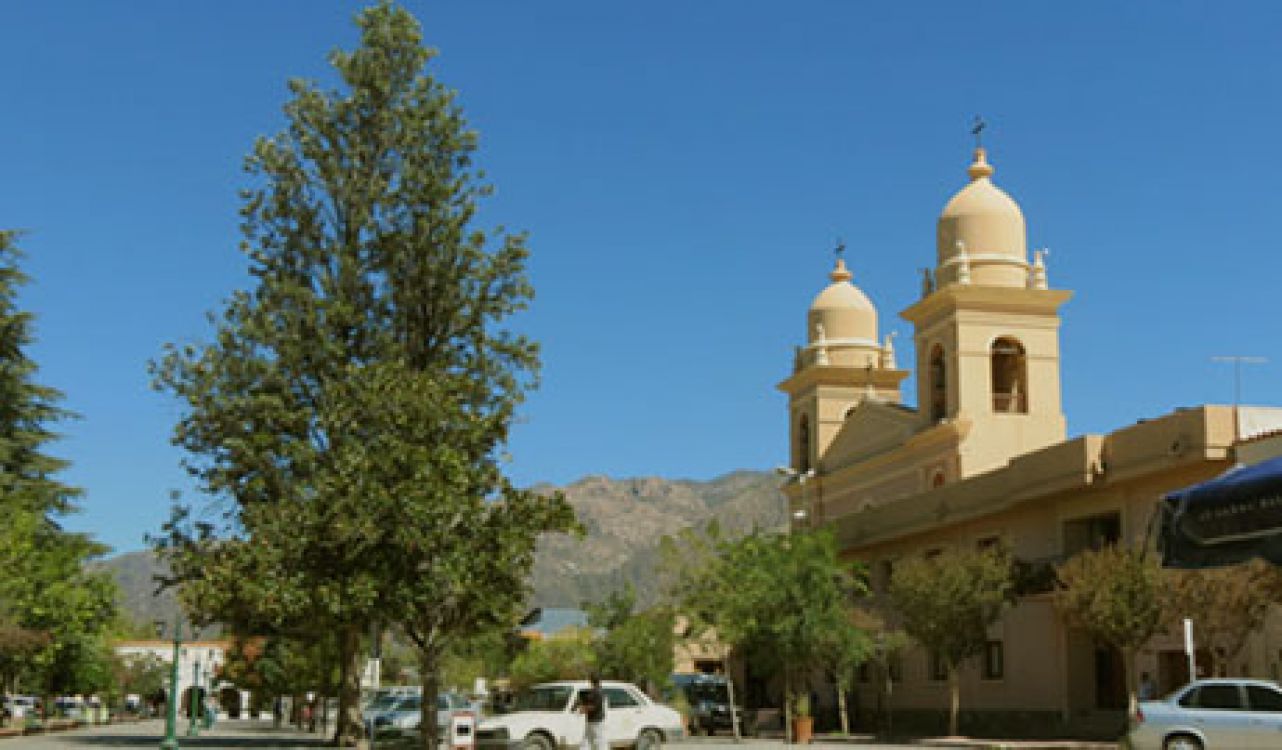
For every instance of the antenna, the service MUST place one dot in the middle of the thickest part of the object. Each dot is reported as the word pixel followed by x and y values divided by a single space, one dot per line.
pixel 1238 360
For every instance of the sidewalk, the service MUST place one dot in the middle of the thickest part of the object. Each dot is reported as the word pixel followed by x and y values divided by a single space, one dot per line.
pixel 849 742
pixel 235 733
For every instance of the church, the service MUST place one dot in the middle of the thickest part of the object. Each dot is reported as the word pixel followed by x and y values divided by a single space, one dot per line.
pixel 984 458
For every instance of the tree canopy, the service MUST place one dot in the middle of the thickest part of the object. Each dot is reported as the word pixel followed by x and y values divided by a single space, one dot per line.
pixel 351 408
pixel 948 601
pixel 54 614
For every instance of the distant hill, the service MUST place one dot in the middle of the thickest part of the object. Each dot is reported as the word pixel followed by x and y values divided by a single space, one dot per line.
pixel 135 574
pixel 624 518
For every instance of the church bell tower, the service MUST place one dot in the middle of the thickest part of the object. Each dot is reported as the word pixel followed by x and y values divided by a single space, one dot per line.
pixel 986 330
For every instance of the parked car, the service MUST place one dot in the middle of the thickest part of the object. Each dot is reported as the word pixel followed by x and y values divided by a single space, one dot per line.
pixel 709 699
pixel 20 706
pixel 545 717
pixel 406 714
pixel 1235 714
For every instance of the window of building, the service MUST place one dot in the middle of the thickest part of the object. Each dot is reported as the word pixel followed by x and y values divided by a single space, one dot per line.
pixel 938 384
pixel 931 554
pixel 1010 376
pixel 937 480
pixel 1092 532
pixel 864 673
pixel 895 668
pixel 994 661
pixel 989 542
pixel 938 669
pixel 885 572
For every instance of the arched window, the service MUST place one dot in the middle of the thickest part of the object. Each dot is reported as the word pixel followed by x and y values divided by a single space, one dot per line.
pixel 1010 376
pixel 938 384
pixel 803 444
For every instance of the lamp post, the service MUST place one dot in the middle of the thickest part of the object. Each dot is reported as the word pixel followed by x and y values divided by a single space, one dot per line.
pixel 193 706
pixel 791 475
pixel 800 477
pixel 171 708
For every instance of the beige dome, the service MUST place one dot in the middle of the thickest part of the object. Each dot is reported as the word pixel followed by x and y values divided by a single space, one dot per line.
pixel 983 229
pixel 843 321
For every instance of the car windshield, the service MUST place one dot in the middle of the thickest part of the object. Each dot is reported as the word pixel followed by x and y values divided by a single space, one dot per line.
pixel 546 698
pixel 382 702
pixel 709 692
pixel 409 703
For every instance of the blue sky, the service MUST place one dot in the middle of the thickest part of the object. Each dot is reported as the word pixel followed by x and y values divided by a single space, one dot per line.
pixel 683 169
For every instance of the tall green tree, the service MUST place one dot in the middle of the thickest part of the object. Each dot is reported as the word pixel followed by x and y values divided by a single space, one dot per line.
pixel 1116 594
pixel 947 604
pixel 352 407
pixel 632 645
pixel 780 597
pixel 54 613
pixel 1225 604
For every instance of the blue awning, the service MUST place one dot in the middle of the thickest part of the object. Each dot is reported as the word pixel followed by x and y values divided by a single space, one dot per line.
pixel 1224 521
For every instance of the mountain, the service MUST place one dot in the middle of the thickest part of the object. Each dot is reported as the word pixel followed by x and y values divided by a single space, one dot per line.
pixel 624 520
pixel 135 574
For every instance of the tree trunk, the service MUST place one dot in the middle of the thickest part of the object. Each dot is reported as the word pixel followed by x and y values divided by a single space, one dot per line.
pixel 842 708
pixel 1128 670
pixel 429 671
pixel 787 707
pixel 348 729
pixel 954 703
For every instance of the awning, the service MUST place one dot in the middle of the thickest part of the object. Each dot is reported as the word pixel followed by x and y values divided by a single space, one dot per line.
pixel 1224 521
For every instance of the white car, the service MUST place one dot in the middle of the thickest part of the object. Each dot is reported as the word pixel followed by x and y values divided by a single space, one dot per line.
pixel 545 717
pixel 405 714
pixel 1233 714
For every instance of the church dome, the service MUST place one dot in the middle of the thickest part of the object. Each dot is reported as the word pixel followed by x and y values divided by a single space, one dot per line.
pixel 842 320
pixel 981 231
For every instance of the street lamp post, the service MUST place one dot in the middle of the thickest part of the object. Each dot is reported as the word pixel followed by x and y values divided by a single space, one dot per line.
pixel 791 475
pixel 193 706
pixel 171 709
pixel 800 477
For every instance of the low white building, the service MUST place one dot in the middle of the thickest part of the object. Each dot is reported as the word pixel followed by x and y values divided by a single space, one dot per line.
pixel 198 662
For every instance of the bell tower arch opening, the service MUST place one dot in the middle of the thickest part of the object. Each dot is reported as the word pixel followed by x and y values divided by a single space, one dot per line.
pixel 938 384
pixel 1009 376
pixel 803 444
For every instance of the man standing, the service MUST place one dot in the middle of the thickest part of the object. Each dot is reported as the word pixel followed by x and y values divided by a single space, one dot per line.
pixel 592 706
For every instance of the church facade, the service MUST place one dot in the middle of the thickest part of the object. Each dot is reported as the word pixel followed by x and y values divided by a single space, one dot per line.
pixel 984 457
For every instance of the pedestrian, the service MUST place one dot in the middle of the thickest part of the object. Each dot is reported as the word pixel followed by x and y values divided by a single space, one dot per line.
pixel 1148 690
pixel 592 706
pixel 278 711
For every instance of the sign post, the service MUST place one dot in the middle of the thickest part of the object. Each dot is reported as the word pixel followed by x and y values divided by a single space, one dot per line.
pixel 1188 648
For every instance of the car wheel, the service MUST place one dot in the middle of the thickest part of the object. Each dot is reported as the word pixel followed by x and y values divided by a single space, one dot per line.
pixel 649 740
pixel 536 742
pixel 1182 742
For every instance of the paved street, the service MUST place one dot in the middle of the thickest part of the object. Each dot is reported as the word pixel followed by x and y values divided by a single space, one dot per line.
pixel 230 734
pixel 260 735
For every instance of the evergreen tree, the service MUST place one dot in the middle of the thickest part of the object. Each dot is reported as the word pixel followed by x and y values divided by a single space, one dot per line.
pixel 53 614
pixel 351 408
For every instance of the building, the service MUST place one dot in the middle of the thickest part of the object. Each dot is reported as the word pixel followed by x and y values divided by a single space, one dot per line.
pixel 985 457
pixel 198 665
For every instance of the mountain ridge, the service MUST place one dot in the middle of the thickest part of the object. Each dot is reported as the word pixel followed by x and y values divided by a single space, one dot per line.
pixel 625 519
